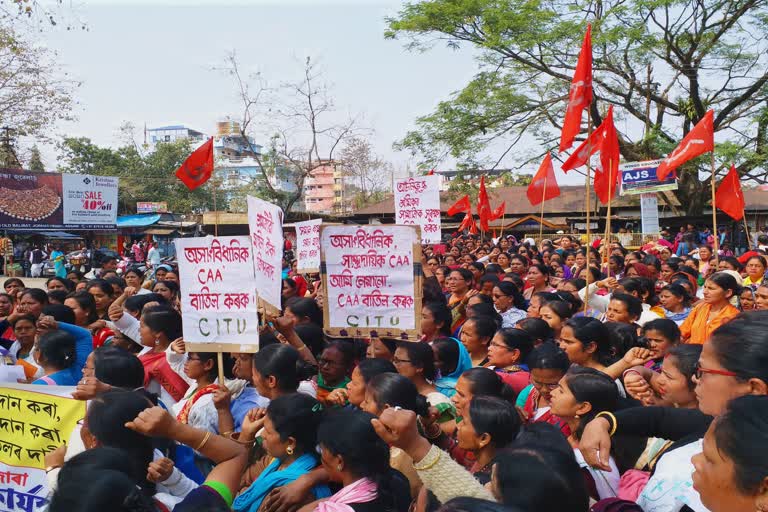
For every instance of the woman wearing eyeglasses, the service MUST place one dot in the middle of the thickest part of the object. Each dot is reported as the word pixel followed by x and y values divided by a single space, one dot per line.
pixel 548 364
pixel 733 363
pixel 334 365
pixel 509 302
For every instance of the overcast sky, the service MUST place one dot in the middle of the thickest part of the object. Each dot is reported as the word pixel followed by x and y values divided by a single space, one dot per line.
pixel 150 61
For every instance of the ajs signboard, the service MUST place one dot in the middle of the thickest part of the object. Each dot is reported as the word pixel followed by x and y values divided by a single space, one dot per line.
pixel 640 178
pixel 42 201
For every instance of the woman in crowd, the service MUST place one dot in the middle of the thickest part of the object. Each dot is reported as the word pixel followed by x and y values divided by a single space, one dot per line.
pixel 746 299
pixel 537 301
pixel 87 317
pixel 460 287
pixel 289 436
pixel 587 343
pixel 548 365
pixel 160 326
pixel 381 348
pixel 661 336
pixel 13 286
pixel 289 290
pixel 61 356
pixel 200 371
pixel 169 290
pixel 672 385
pixel 581 394
pixel 731 472
pixel 755 268
pixel 537 280
pixel 451 361
pixel 476 334
pixel 507 356
pixel 103 295
pixel 435 321
pixel 59 283
pixel 278 370
pixel 335 365
pixel 556 313
pixel 416 362
pixel 489 426
pixel 713 311
pixel 675 302
pixel 733 363
pixel 509 303
pixel 135 279
pixel 368 483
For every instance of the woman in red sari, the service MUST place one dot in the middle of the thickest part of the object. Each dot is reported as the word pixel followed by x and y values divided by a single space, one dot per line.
pixel 161 325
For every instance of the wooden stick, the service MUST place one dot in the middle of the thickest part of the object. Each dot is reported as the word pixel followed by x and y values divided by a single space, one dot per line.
pixel 541 219
pixel 607 239
pixel 714 211
pixel 746 229
pixel 220 361
pixel 589 201
pixel 216 211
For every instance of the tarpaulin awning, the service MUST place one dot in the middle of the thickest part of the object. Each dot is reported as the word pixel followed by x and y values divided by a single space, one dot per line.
pixel 159 231
pixel 137 221
pixel 58 235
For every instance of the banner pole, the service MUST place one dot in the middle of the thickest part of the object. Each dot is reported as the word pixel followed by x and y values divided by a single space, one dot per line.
pixel 746 228
pixel 220 361
pixel 215 211
pixel 607 240
pixel 541 219
pixel 589 202
pixel 714 210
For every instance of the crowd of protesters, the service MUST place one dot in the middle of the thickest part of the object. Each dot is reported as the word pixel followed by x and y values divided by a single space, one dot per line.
pixel 561 376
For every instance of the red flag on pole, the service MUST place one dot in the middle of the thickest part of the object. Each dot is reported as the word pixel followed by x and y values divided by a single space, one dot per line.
pixel 587 148
pixel 606 181
pixel 729 196
pixel 460 206
pixel 537 192
pixel 580 94
pixel 468 223
pixel 499 211
pixel 198 167
pixel 700 140
pixel 483 206
pixel 431 172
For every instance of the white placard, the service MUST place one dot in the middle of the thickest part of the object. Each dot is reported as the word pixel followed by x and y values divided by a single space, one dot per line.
pixel 89 200
pixel 218 290
pixel 308 246
pixel 265 224
pixel 369 279
pixel 649 213
pixel 417 202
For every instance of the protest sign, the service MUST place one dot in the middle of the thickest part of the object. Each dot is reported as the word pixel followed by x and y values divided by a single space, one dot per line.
pixel 218 294
pixel 417 202
pixel 265 224
pixel 308 246
pixel 32 423
pixel 370 283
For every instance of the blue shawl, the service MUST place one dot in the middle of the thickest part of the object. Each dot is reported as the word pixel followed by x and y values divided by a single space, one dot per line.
pixel 271 478
pixel 446 384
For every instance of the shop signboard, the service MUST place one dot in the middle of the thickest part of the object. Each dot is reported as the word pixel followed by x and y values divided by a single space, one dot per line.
pixel 45 201
pixel 150 207
pixel 640 178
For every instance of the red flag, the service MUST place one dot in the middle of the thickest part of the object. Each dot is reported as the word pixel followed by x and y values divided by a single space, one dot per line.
pixel 198 167
pixel 729 196
pixel 606 181
pixel 536 190
pixel 587 148
pixel 483 206
pixel 460 206
pixel 431 172
pixel 700 140
pixel 468 223
pixel 499 212
pixel 580 95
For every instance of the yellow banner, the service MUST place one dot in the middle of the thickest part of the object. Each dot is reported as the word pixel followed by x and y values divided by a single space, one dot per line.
pixel 34 423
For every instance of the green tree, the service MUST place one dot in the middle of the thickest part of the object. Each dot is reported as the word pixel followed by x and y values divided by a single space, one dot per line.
pixel 35 160
pixel 662 63
pixel 149 177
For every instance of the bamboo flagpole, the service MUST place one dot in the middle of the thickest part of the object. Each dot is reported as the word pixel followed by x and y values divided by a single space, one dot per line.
pixel 714 210
pixel 746 230
pixel 541 219
pixel 607 239
pixel 589 201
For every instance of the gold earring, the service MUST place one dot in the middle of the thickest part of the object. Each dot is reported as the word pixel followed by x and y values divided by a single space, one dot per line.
pixel 338 468
pixel 289 450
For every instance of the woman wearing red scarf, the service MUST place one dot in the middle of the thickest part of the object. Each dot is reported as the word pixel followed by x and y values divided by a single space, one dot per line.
pixel 160 325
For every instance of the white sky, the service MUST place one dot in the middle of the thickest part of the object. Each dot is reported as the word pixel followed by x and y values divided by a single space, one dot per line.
pixel 150 61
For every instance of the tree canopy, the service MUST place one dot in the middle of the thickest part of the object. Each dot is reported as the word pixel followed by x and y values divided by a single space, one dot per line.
pixel 662 63
pixel 143 177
